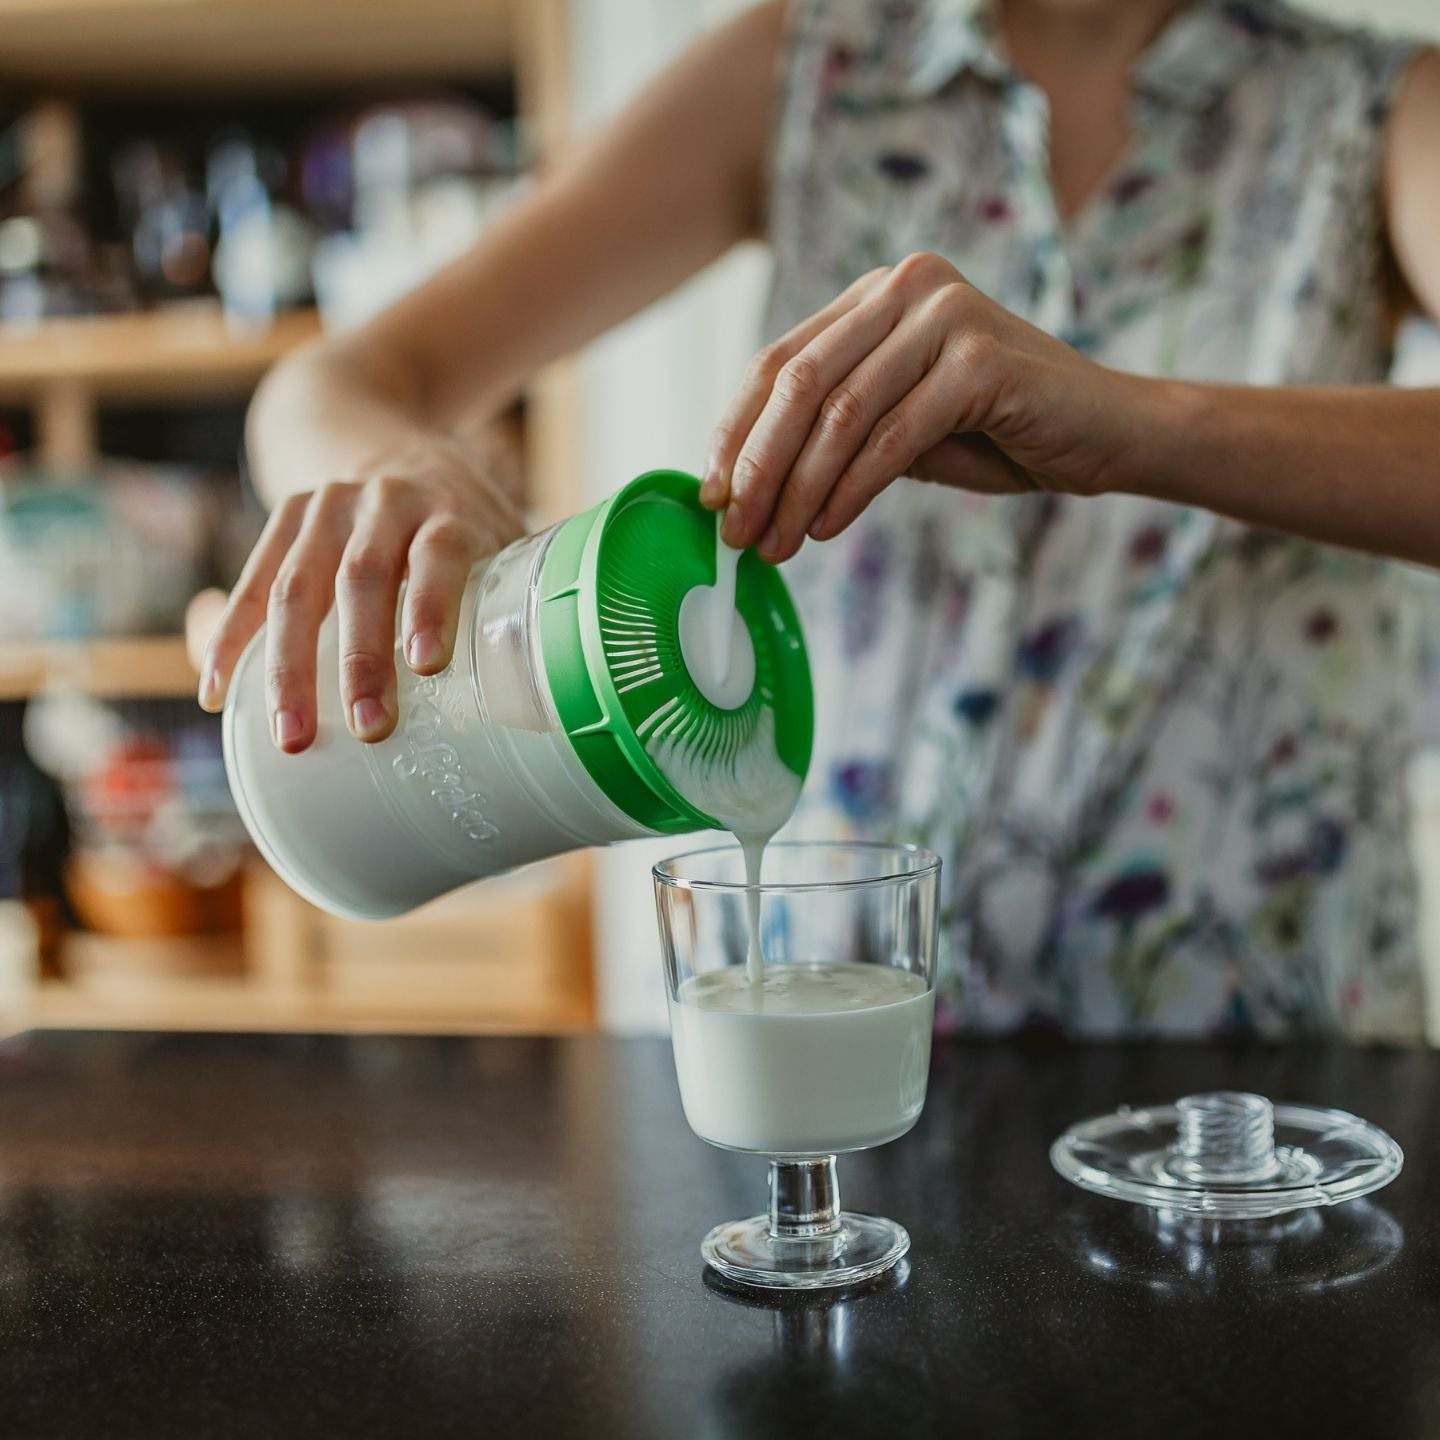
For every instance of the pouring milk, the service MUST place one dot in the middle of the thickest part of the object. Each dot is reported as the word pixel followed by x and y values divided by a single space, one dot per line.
pixel 752 792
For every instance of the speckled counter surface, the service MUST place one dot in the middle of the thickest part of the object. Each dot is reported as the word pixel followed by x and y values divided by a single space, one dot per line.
pixel 290 1236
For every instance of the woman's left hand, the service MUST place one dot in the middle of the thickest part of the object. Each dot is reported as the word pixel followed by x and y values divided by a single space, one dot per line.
pixel 912 371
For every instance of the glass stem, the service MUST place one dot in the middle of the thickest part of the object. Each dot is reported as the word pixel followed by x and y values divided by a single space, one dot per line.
pixel 804 1199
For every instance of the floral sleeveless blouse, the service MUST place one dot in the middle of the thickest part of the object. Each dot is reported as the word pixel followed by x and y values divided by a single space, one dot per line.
pixel 1162 755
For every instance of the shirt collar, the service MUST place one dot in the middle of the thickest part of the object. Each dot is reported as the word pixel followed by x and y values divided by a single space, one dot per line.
pixel 1191 63
pixel 956 36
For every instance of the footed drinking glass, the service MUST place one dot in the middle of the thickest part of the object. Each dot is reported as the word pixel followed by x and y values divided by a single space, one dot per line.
pixel 823 1049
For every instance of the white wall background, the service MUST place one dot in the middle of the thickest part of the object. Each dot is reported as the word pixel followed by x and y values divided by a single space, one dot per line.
pixel 652 389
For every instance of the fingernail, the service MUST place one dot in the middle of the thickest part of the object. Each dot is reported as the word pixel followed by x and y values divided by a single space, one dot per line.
pixel 734 526
pixel 287 728
pixel 423 651
pixel 710 488
pixel 209 689
pixel 368 718
pixel 770 545
pixel 818 526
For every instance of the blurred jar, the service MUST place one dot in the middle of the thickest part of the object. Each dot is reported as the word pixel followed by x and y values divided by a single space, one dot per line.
pixel 156 846
pixel 119 551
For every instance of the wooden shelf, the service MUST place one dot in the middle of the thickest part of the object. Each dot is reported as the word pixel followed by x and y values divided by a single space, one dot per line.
pixel 149 668
pixel 160 354
pixel 510 957
pixel 189 45
pixel 203 983
pixel 240 1005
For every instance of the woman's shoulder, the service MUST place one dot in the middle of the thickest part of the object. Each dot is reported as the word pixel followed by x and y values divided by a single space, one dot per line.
pixel 1321 53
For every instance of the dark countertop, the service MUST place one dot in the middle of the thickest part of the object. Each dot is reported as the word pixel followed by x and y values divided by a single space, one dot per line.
pixel 293 1236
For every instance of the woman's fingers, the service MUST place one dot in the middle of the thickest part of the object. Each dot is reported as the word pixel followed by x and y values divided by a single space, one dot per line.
pixel 921 420
pixel 300 597
pixel 367 586
pixel 827 396
pixel 744 409
pixel 441 555
pixel 244 613
pixel 847 421
pixel 818 389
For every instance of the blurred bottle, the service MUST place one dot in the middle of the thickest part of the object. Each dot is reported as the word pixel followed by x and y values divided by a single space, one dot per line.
pixel 34 841
pixel 424 179
pixel 262 255
pixel 326 176
pixel 47 266
pixel 165 215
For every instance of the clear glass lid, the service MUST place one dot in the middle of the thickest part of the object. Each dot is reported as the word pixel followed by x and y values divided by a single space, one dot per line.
pixel 1228 1155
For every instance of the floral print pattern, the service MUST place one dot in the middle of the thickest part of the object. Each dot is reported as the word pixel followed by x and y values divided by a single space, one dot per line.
pixel 1162 755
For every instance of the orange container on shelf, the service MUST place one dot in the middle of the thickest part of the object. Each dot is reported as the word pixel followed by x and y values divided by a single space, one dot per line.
pixel 117 893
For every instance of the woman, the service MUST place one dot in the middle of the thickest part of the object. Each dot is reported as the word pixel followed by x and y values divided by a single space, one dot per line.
pixel 1118 272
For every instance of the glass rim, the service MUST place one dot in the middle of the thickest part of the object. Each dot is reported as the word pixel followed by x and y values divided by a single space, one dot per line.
pixel 929 864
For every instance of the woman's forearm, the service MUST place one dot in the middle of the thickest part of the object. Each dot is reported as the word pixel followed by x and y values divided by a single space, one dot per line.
pixel 1348 465
pixel 667 187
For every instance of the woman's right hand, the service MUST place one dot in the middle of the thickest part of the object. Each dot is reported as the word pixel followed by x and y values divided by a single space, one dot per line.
pixel 428 516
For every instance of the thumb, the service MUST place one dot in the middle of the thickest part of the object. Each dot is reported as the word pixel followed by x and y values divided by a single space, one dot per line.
pixel 972 462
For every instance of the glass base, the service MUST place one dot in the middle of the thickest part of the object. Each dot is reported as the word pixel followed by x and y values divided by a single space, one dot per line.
pixel 748 1252
pixel 1228 1155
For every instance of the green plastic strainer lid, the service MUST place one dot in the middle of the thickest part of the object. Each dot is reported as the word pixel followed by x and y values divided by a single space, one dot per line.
pixel 611 589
